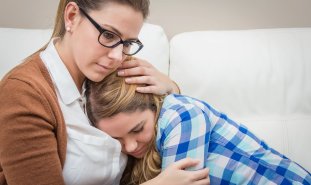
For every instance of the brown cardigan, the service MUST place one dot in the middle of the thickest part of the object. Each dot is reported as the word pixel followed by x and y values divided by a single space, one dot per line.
pixel 32 128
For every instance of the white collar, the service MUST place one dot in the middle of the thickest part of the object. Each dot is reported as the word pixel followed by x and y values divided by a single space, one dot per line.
pixel 62 79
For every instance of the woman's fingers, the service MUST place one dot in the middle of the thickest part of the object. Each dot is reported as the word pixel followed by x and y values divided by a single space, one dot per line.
pixel 176 174
pixel 134 62
pixel 200 174
pixel 135 71
pixel 205 181
pixel 186 163
pixel 140 80
pixel 197 177
pixel 139 71
pixel 150 89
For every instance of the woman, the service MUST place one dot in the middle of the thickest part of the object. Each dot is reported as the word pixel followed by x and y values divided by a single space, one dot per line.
pixel 45 136
pixel 158 131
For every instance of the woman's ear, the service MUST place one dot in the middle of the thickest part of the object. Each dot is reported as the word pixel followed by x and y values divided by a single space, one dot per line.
pixel 71 16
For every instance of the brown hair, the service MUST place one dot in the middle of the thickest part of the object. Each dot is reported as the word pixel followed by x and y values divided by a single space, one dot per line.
pixel 59 26
pixel 112 96
pixel 87 5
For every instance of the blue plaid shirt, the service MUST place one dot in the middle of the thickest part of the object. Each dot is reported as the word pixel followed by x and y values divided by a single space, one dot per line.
pixel 188 127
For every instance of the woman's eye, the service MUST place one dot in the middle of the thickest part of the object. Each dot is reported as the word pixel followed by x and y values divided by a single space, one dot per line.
pixel 127 44
pixel 108 35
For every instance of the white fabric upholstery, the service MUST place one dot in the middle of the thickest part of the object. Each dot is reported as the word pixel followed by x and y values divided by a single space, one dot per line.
pixel 261 78
pixel 16 44
pixel 156 47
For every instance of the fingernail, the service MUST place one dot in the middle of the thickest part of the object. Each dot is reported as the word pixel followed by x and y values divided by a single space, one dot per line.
pixel 121 72
pixel 128 80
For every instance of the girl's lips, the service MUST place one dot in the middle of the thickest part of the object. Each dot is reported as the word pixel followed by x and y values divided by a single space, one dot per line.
pixel 138 152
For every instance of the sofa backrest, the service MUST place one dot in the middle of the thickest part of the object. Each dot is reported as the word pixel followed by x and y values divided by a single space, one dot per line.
pixel 261 78
pixel 17 44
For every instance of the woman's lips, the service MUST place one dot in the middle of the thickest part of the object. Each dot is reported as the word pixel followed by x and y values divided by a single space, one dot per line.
pixel 105 66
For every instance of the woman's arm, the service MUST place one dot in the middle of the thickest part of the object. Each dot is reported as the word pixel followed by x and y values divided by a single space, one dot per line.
pixel 176 175
pixel 141 72
pixel 28 146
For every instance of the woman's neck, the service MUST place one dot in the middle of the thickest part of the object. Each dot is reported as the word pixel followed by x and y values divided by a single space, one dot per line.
pixel 65 54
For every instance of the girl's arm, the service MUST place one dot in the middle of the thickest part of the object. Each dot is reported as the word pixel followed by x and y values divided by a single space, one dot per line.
pixel 141 72
pixel 176 175
pixel 187 134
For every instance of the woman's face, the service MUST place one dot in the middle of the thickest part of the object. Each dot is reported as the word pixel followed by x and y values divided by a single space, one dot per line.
pixel 91 59
pixel 133 130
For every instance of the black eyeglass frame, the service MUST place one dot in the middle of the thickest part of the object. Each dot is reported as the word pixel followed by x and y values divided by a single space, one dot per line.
pixel 102 30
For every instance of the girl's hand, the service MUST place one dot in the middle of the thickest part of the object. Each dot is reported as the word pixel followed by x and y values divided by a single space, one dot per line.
pixel 139 71
pixel 175 174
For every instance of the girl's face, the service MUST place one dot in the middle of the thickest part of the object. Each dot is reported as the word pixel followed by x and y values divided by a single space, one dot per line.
pixel 133 130
pixel 90 58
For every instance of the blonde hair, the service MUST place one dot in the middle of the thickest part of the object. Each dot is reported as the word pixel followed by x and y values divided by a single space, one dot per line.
pixel 87 5
pixel 112 96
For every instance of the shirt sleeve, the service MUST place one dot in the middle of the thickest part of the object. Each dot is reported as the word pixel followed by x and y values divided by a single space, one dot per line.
pixel 186 134
pixel 28 145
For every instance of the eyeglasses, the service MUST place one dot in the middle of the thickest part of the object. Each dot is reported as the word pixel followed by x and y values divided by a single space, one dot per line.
pixel 110 39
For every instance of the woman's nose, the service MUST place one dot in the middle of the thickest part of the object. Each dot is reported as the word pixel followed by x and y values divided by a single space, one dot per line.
pixel 116 53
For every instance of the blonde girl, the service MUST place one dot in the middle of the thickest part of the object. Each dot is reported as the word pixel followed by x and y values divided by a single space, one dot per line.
pixel 156 131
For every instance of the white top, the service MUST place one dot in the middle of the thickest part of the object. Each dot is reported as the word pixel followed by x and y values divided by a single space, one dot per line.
pixel 92 156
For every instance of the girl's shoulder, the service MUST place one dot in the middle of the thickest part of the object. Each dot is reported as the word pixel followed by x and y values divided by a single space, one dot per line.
pixel 176 107
pixel 177 101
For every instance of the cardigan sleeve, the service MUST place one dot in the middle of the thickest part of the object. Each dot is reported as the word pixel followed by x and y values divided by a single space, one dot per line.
pixel 28 145
pixel 186 133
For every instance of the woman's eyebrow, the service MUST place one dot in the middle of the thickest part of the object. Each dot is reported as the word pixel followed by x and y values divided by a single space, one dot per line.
pixel 113 29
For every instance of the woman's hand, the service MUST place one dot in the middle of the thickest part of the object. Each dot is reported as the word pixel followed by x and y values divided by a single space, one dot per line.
pixel 175 174
pixel 139 71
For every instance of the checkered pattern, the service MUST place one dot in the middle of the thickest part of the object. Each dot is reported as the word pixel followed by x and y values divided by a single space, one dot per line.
pixel 188 127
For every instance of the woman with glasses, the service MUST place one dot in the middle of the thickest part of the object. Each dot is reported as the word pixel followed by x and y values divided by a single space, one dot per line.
pixel 45 135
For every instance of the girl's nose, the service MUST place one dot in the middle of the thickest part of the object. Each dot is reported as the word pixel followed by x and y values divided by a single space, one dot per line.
pixel 130 145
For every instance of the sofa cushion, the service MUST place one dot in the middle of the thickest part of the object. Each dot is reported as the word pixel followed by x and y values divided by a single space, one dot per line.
pixel 156 46
pixel 259 77
pixel 16 44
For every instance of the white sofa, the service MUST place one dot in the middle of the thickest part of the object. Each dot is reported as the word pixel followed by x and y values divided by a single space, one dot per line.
pixel 261 78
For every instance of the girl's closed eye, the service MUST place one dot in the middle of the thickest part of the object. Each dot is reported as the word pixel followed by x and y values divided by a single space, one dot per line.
pixel 139 129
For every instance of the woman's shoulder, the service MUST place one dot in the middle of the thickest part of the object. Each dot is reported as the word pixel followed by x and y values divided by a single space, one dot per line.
pixel 31 71
pixel 29 80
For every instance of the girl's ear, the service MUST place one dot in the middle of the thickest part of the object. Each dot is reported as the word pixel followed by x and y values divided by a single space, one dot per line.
pixel 72 16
